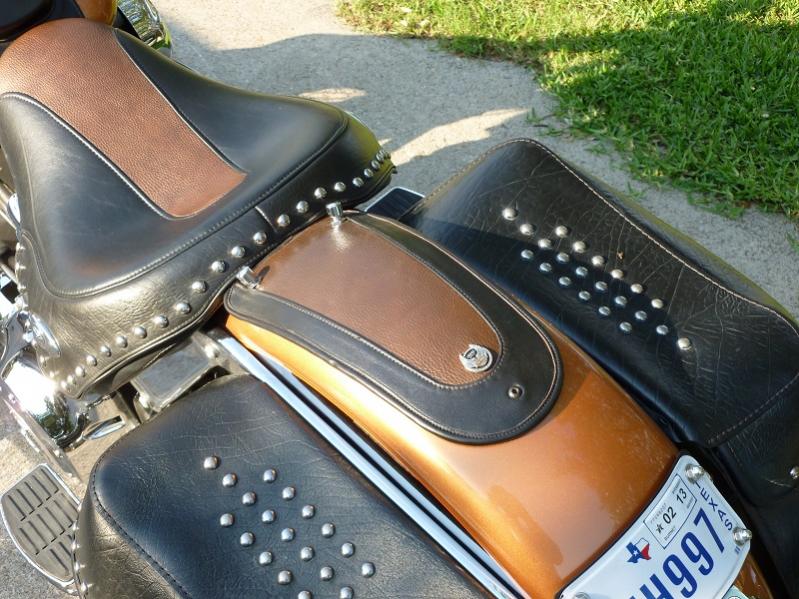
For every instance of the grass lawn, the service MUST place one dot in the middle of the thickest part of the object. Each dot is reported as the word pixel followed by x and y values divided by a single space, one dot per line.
pixel 703 94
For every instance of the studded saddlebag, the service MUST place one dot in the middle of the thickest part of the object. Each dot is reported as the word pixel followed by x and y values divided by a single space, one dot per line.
pixel 712 356
pixel 229 494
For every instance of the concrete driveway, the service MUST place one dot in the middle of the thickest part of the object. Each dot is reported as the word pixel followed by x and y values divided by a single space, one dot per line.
pixel 435 112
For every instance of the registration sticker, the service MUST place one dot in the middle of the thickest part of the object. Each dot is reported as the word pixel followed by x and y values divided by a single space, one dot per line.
pixel 683 546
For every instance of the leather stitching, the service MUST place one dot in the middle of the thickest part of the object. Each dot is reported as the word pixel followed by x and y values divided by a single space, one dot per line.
pixel 753 414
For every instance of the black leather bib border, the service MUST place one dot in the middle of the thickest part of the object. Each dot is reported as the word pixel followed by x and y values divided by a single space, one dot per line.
pixel 478 413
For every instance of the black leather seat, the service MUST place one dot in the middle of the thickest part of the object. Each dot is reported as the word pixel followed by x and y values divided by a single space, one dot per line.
pixel 229 495
pixel 711 355
pixel 144 187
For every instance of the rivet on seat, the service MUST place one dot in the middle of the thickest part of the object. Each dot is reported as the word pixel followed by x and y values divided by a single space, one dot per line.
pixel 662 329
pixel 249 498
pixel 346 593
pixel 357 182
pixel 581 271
pixel 105 350
pixel 326 573
pixel 246 539
pixel 328 529
pixel 183 307
pixel 601 286
pixel 545 267
pixel 545 244
pixel 526 229
pixel 561 231
pixel 347 549
pixel 509 213
pixel 562 257
pixel 283 220
pixel 625 327
pixel 641 315
pixel 617 273
pixel 306 554
pixel 308 511
pixel 238 251
pixel 287 534
pixel 564 281
pixel 598 261
pixel 288 493
pixel 91 360
pixel 684 343
pixel 620 300
pixel 211 462
pixel 161 321
pixel 226 520
pixel 284 577
pixel 302 207
pixel 527 255
pixel 265 558
pixel 604 311
pixel 579 247
pixel 268 516
pixel 270 475
pixel 320 193
pixel 139 332
pixel 259 238
pixel 367 569
pixel 637 288
pixel 304 595
pixel 219 266
pixel 229 480
pixel 584 296
pixel 339 187
pixel 121 341
pixel 657 304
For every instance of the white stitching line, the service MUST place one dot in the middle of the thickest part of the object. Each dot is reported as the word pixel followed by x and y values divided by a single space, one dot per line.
pixel 93 151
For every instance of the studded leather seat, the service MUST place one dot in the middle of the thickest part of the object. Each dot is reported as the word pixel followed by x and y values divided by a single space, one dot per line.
pixel 143 187
pixel 229 495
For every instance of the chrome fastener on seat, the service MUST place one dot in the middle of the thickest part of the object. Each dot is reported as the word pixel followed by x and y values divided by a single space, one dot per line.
pixel 335 212
pixel 247 277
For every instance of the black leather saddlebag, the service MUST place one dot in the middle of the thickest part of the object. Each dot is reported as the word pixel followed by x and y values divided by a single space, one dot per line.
pixel 228 494
pixel 711 355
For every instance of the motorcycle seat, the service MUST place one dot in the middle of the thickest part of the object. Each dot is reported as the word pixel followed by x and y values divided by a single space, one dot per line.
pixel 143 187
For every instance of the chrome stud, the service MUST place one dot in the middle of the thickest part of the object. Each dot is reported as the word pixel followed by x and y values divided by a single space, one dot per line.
pixel 604 311
pixel 139 332
pixel 246 539
pixel 561 231
pixel 526 229
pixel 641 315
pixel 161 321
pixel 347 549
pixel 662 329
pixel 238 251
pixel 320 193
pixel 694 472
pixel 270 475
pixel 249 498
pixel 545 244
pixel 367 569
pixel 259 238
pixel 346 593
pixel 794 473
pixel 684 343
pixel 598 261
pixel 637 288
pixel 268 516
pixel 211 462
pixel 283 220
pixel 579 247
pixel 80 371
pixel 91 360
pixel 326 573
pixel 64 385
pixel 617 273
pixel 226 520
pixel 515 392
pixel 287 534
pixel 121 341
pixel 581 271
pixel 368 173
pixel 527 254
pixel 71 380
pixel 288 493
pixel 562 257
pixel 183 307
pixel 625 327
pixel 657 304
pixel 229 480
pixel 564 281
pixel 545 267
pixel 584 296
pixel 219 266
pixel 339 187
pixel 375 165
pixel 741 536
pixel 304 595
pixel 306 554
pixel 265 558
pixel 357 182
pixel 284 577
pixel 601 286
pixel 302 207
pixel 328 530
pixel 308 512
pixel 509 213
pixel 105 350
pixel 199 286
pixel 620 301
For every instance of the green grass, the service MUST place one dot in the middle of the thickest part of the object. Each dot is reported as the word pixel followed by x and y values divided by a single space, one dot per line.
pixel 703 94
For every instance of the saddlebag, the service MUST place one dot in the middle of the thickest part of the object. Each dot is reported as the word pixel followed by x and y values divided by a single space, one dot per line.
pixel 228 494
pixel 711 356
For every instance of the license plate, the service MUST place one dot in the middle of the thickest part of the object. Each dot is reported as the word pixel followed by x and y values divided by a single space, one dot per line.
pixel 681 547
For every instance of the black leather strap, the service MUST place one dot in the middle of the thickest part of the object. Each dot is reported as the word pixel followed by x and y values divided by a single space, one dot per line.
pixel 150 523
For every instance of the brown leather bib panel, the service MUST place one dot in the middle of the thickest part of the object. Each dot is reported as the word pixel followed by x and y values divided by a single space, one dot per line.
pixel 119 111
pixel 383 294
